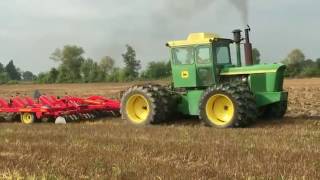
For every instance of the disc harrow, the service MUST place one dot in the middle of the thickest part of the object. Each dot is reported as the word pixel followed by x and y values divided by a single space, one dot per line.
pixel 49 108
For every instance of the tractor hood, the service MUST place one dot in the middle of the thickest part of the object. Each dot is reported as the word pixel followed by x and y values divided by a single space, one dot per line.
pixel 254 69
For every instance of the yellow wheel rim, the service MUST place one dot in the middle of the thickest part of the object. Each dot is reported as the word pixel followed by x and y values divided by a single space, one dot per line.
pixel 27 118
pixel 137 109
pixel 220 109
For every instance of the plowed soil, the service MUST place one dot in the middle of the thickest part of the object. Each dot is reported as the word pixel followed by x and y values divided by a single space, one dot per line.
pixel 184 149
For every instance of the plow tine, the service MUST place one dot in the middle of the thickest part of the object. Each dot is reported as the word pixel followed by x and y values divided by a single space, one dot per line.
pixel 75 117
pixel 70 117
pixel 92 116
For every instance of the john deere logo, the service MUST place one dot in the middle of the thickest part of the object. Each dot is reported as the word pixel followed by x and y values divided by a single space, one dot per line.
pixel 185 74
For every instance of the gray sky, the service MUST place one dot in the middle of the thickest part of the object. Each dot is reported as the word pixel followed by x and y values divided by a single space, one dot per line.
pixel 30 30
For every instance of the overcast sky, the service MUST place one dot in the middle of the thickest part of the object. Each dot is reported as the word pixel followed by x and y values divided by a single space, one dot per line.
pixel 30 30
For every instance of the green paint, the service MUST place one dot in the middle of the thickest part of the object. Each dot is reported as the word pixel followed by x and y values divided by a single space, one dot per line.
pixel 265 98
pixel 190 102
pixel 195 75
pixel 254 69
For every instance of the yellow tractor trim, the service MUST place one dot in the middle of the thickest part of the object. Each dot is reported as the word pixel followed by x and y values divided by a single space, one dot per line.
pixel 27 118
pixel 138 109
pixel 249 72
pixel 195 39
pixel 220 109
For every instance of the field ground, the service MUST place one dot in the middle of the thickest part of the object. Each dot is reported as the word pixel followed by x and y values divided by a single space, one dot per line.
pixel 184 149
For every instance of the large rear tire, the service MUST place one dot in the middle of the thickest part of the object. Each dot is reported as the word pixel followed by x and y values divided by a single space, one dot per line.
pixel 228 105
pixel 145 104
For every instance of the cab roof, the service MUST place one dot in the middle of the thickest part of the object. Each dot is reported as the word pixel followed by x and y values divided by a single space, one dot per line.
pixel 194 39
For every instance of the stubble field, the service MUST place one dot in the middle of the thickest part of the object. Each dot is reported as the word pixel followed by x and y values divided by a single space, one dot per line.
pixel 185 149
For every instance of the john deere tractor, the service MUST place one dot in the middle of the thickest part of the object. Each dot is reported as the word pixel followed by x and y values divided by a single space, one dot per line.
pixel 206 83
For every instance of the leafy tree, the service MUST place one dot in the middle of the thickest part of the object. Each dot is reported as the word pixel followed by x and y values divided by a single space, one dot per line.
pixel 256 56
pixel 53 75
pixel 86 67
pixel 117 75
pixel 294 62
pixel 42 78
pixel 4 78
pixel 91 72
pixel 71 60
pixel 318 62
pixel 2 69
pixel 132 65
pixel 157 70
pixel 12 71
pixel 64 75
pixel 295 57
pixel 106 64
pixel 27 76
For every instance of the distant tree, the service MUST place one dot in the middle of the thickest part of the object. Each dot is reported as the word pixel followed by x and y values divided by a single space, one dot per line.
pixel 294 57
pixel 4 78
pixel 157 70
pixel 132 65
pixel 2 69
pixel 64 75
pixel 12 71
pixel 318 62
pixel 53 75
pixel 42 78
pixel 86 68
pixel 27 76
pixel 91 72
pixel 294 62
pixel 106 64
pixel 256 56
pixel 117 75
pixel 71 59
pixel 96 74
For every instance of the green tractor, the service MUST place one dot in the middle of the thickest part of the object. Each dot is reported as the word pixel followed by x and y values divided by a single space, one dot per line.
pixel 207 84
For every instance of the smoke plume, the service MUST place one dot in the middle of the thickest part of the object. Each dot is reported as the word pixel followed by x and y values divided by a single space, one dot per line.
pixel 190 7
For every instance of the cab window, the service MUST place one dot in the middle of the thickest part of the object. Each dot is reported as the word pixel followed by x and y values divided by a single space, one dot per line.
pixel 223 55
pixel 184 55
pixel 203 55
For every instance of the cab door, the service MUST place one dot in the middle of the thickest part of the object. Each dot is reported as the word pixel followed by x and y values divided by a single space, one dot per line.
pixel 183 67
pixel 205 65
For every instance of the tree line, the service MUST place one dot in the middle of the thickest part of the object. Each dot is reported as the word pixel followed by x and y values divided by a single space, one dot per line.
pixel 73 67
pixel 11 74
pixel 299 66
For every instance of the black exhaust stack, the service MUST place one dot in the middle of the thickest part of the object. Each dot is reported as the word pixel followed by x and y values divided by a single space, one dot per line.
pixel 248 48
pixel 237 39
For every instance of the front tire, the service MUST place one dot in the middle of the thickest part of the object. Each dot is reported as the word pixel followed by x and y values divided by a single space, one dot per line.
pixel 228 105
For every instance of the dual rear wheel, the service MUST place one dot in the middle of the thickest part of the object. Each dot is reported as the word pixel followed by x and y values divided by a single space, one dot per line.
pixel 146 104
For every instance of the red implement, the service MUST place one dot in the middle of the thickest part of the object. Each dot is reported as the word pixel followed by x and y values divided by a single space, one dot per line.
pixel 51 107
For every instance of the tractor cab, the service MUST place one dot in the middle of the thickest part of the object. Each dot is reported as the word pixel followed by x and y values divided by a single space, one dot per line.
pixel 197 60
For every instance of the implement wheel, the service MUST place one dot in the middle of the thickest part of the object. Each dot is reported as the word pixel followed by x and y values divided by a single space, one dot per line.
pixel 27 118
pixel 144 104
pixel 228 105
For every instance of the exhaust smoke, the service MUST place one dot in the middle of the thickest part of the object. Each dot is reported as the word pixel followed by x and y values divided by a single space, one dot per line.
pixel 188 8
